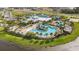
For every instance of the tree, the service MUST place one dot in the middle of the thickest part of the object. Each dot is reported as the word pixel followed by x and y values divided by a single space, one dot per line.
pixel 18 15
pixel 51 33
pixel 70 11
pixel 41 42
pixel 63 17
pixel 30 22
pixel 36 42
pixel 30 35
pixel 67 11
pixel 40 33
pixel 76 9
pixel 22 24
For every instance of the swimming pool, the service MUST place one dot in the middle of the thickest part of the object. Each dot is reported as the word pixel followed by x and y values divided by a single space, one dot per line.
pixel 49 31
pixel 60 23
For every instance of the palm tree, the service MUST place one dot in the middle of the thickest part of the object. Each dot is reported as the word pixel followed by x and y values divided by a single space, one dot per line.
pixel 46 34
pixel 36 32
pixel 51 33
pixel 30 35
pixel 40 33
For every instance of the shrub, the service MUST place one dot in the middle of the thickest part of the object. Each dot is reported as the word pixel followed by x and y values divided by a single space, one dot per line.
pixel 63 17
pixel 46 41
pixel 30 35
pixel 36 42
pixel 41 42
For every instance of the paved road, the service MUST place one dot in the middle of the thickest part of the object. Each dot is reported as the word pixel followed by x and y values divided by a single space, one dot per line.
pixel 8 46
pixel 72 46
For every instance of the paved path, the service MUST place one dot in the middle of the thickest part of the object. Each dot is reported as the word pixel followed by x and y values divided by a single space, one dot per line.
pixel 72 46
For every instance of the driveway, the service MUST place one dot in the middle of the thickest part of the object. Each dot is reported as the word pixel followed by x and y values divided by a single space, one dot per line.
pixel 71 46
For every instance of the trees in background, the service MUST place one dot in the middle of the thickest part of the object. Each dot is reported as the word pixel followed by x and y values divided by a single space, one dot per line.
pixel 71 11
pixel 67 11
pixel 76 9
pixel 18 15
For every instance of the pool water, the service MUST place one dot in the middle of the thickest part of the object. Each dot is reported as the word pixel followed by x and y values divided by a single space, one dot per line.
pixel 50 30
pixel 60 23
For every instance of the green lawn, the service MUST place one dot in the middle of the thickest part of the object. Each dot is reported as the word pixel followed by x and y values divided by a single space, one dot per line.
pixel 1 28
pixel 39 43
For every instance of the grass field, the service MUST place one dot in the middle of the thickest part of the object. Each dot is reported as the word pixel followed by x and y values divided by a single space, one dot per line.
pixel 40 43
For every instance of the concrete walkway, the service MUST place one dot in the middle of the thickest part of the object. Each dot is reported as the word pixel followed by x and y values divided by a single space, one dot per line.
pixel 72 46
pixel 30 28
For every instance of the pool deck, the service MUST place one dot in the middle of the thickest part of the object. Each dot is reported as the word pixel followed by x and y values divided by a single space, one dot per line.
pixel 30 28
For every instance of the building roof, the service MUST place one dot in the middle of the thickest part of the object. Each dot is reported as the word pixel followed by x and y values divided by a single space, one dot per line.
pixel 39 18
